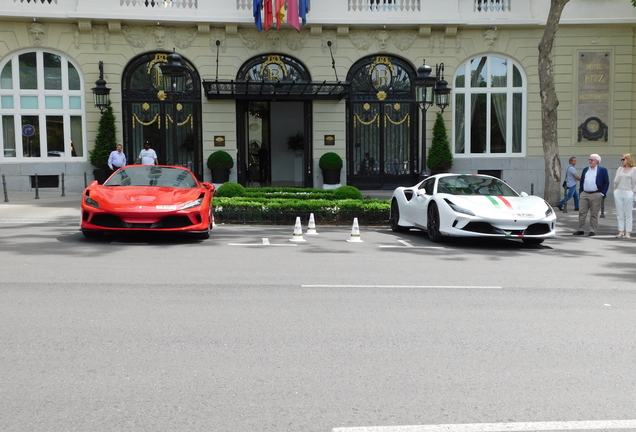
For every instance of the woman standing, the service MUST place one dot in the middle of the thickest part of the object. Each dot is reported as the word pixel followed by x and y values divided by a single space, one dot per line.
pixel 624 192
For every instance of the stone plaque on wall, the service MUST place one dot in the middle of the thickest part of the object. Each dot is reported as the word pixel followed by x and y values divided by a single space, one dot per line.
pixel 594 91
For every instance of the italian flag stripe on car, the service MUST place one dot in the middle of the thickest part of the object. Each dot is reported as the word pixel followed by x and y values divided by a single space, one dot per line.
pixel 496 203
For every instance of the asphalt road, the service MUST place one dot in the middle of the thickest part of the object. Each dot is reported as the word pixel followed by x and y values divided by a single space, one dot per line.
pixel 248 331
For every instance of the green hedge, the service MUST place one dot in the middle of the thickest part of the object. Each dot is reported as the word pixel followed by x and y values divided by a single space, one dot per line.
pixel 284 211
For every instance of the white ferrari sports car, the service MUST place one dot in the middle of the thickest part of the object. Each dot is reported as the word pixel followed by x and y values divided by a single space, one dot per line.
pixel 471 205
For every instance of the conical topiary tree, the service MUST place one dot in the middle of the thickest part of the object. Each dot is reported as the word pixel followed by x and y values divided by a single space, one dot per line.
pixel 440 157
pixel 106 140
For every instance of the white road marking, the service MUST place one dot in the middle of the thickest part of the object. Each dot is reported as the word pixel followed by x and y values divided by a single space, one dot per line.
pixel 265 242
pixel 500 427
pixel 404 286
pixel 409 245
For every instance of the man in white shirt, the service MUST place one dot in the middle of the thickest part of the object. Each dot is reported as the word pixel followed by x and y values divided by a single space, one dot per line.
pixel 148 156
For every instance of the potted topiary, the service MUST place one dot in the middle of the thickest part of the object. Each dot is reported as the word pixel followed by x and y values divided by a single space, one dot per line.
pixel 440 157
pixel 331 164
pixel 220 162
pixel 105 143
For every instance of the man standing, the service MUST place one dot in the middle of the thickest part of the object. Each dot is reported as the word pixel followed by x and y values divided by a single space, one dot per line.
pixel 571 178
pixel 148 156
pixel 117 158
pixel 594 185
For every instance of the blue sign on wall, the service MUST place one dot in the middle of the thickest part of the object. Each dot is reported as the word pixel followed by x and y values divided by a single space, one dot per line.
pixel 28 130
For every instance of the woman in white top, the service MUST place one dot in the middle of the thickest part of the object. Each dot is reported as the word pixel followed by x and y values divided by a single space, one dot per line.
pixel 624 193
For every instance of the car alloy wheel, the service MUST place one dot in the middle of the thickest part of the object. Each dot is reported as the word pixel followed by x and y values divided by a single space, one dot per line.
pixel 432 223
pixel 395 218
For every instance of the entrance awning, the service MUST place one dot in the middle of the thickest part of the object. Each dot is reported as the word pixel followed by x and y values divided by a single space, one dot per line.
pixel 279 90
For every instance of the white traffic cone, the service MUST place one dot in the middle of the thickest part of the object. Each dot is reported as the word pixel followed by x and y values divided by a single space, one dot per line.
pixel 355 232
pixel 298 232
pixel 311 228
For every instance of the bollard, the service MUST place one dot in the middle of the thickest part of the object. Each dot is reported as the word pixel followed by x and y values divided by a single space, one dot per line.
pixel 37 191
pixel 4 187
pixel 63 184
pixel 531 188
pixel 85 184
pixel 603 207
pixel 565 197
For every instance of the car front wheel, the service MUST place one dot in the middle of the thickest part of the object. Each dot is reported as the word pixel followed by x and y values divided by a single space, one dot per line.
pixel 432 223
pixel 395 218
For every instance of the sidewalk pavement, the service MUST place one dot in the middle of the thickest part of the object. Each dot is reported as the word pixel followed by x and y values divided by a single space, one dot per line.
pixel 51 206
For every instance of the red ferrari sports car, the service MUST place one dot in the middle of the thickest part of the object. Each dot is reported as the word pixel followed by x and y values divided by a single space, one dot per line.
pixel 148 198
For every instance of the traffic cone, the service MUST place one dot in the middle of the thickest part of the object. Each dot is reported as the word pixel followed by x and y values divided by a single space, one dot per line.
pixel 355 232
pixel 311 228
pixel 298 232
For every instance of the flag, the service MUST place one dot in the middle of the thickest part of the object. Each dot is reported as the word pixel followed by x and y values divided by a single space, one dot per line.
pixel 269 16
pixel 292 14
pixel 257 14
pixel 280 12
pixel 303 8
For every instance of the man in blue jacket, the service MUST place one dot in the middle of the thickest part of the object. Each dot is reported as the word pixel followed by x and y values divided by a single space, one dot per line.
pixel 594 185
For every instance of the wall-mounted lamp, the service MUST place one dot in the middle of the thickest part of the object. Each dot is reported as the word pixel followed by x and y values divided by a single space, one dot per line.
pixel 101 93
pixel 175 74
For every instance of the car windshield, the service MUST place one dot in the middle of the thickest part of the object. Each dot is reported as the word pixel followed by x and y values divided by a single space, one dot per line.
pixel 152 175
pixel 474 185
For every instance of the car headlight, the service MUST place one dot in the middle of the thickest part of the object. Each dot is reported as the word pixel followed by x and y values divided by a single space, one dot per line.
pixel 90 201
pixel 195 203
pixel 549 211
pixel 458 209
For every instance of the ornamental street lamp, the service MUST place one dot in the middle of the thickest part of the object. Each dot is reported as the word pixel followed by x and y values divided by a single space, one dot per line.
pixel 101 93
pixel 430 90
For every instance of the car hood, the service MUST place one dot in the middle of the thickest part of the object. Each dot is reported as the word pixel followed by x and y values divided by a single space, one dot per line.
pixel 491 205
pixel 122 196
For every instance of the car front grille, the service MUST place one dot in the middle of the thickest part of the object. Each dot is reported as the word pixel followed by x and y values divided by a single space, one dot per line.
pixel 486 228
pixel 112 221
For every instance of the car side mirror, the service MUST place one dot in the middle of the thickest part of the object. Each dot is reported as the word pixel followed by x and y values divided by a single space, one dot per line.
pixel 523 194
pixel 208 185
pixel 93 183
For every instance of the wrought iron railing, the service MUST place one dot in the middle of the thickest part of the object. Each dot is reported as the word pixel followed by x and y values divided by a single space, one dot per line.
pixel 492 5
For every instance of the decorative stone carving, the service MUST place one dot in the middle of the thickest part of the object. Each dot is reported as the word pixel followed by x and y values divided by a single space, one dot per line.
pixel 76 38
pixel 37 34
pixel 273 40
pixel 183 36
pixel 251 39
pixel 329 35
pixel 437 39
pixel 160 35
pixel 101 32
pixel 218 35
pixel 382 37
pixel 404 39
pixel 361 39
pixel 84 25
pixel 136 36
pixel 491 36
pixel 296 41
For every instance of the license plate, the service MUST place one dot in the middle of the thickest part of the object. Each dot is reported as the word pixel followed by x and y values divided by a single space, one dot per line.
pixel 166 207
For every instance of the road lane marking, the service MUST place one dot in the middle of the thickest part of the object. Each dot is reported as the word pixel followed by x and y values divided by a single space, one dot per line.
pixel 265 242
pixel 404 286
pixel 406 244
pixel 500 427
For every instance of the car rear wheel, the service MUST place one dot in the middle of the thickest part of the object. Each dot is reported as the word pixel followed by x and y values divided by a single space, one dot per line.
pixel 532 241
pixel 432 223
pixel 395 218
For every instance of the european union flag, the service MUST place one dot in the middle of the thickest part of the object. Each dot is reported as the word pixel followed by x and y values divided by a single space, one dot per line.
pixel 257 14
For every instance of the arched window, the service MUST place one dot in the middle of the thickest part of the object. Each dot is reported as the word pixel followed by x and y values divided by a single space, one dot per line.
pixel 490 107
pixel 41 107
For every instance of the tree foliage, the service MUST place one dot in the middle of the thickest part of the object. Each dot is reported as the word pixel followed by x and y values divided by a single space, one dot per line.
pixel 106 140
pixel 440 157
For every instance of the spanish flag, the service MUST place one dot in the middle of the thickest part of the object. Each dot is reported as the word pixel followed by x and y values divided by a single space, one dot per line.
pixel 292 14
pixel 257 14
pixel 280 12
pixel 269 16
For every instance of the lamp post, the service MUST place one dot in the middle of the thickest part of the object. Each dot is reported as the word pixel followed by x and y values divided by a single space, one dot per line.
pixel 430 90
pixel 101 93
pixel 175 75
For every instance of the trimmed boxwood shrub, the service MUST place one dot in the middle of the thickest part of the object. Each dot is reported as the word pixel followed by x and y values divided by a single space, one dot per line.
pixel 347 192
pixel 220 160
pixel 230 189
pixel 330 161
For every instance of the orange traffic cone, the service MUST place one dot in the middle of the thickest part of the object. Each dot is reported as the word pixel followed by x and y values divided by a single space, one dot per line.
pixel 355 232
pixel 298 232
pixel 311 228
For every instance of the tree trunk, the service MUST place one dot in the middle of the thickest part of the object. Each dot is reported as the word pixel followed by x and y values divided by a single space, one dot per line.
pixel 549 104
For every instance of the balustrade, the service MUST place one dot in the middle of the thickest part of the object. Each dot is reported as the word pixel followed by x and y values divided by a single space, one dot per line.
pixel 492 5
pixel 175 4
pixel 384 5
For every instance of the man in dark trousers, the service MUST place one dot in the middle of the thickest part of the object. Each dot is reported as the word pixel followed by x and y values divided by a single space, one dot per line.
pixel 594 185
